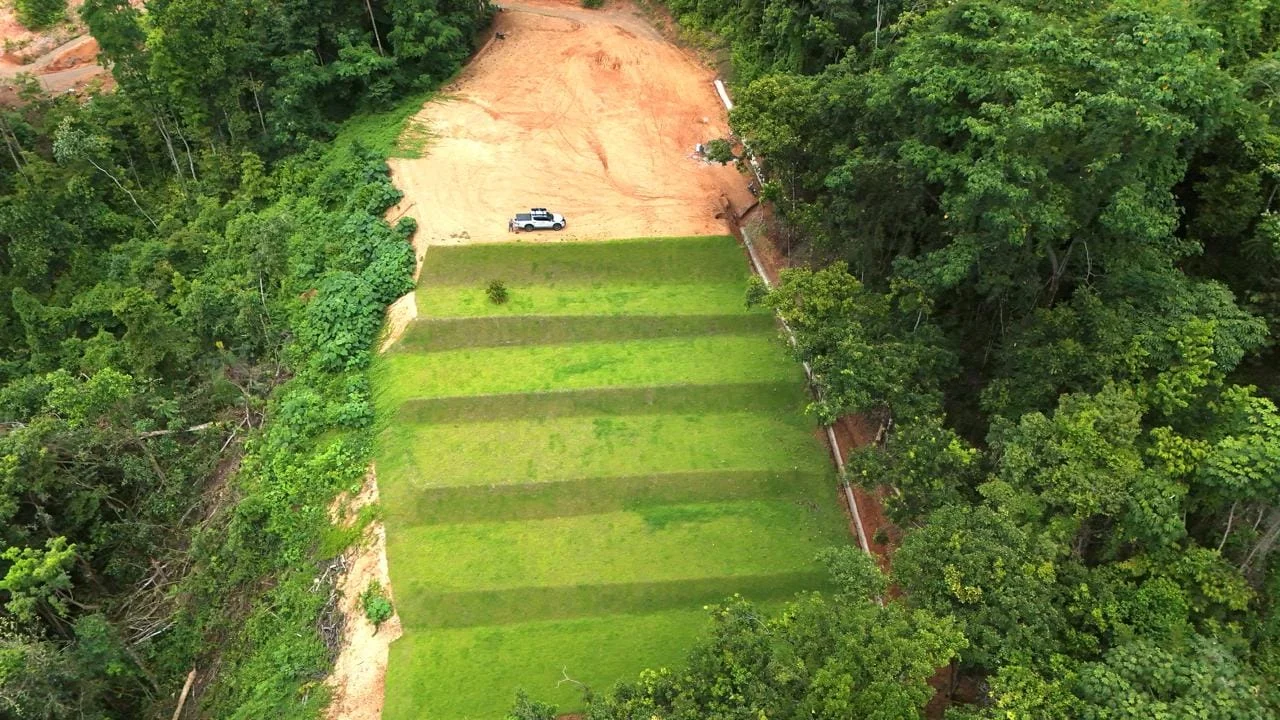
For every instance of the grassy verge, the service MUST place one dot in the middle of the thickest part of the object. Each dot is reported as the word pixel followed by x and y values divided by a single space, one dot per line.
pixel 482 667
pixel 253 596
pixel 529 451
pixel 393 133
pixel 612 299
pixel 648 260
pixel 640 363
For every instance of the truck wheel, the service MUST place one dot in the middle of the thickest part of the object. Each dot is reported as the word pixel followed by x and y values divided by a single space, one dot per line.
pixel 557 226
pixel 528 228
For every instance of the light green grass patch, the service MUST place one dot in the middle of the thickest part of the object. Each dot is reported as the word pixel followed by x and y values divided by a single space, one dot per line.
pixel 654 544
pixel 474 673
pixel 394 133
pixel 538 450
pixel 670 361
pixel 577 299
pixel 665 260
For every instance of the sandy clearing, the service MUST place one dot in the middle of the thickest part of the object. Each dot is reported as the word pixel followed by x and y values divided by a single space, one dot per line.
pixel 399 314
pixel 589 113
pixel 360 670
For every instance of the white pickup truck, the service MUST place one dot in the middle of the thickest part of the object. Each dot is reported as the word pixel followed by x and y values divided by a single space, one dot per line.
pixel 537 219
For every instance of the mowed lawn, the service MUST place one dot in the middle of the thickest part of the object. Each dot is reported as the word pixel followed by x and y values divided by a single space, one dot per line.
pixel 569 478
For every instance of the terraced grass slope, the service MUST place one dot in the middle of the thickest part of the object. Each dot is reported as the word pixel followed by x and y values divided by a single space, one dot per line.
pixel 570 477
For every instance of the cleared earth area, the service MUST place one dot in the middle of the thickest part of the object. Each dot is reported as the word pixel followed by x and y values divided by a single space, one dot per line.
pixel 569 477
pixel 586 112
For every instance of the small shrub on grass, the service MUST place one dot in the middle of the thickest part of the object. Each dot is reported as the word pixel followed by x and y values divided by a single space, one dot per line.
pixel 527 709
pixel 757 291
pixel 592 4
pixel 719 150
pixel 377 608
pixel 497 292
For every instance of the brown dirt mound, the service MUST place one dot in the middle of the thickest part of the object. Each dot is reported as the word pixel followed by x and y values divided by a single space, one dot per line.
pixel 399 314
pixel 586 112
pixel 74 56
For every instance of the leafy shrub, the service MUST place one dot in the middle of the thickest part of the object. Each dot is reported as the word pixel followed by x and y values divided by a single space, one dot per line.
pixel 497 292
pixel 757 292
pixel 335 328
pixel 343 265
pixel 719 150
pixel 37 14
pixel 377 608
pixel 592 4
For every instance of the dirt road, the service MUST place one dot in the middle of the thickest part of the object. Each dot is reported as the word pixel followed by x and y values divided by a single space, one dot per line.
pixel 587 112
pixel 66 67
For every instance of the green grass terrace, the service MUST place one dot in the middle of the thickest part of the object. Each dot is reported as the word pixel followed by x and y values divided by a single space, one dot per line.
pixel 570 477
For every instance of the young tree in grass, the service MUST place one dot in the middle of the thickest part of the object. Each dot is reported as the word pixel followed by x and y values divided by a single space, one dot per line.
pixel 529 709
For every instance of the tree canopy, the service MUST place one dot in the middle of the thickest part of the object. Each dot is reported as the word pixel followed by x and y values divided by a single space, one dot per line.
pixel 192 274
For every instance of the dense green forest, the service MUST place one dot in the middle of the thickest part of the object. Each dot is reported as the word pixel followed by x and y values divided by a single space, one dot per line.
pixel 1042 249
pixel 192 272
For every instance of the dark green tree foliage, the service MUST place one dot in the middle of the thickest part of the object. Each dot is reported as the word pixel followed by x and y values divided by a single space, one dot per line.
pixel 931 466
pixel 187 312
pixel 165 347
pixel 997 579
pixel 841 326
pixel 38 14
pixel 1046 261
pixel 787 36
pixel 212 74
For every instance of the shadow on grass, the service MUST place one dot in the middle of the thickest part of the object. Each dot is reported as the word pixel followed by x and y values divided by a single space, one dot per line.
pixel 656 400
pixel 428 335
pixel 535 501
pixel 423 609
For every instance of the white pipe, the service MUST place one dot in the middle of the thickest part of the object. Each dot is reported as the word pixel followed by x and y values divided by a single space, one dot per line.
pixel 724 95
pixel 808 372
